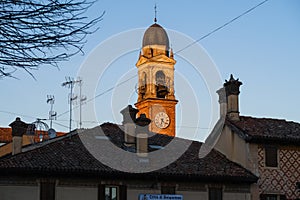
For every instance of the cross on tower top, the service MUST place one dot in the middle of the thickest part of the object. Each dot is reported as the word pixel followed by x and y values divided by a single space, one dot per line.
pixel 155 13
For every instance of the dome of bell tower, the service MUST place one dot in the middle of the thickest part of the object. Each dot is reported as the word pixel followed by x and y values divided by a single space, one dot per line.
pixel 156 35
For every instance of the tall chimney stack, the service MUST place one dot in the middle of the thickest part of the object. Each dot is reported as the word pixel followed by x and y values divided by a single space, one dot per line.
pixel 129 117
pixel 222 101
pixel 18 130
pixel 142 130
pixel 232 89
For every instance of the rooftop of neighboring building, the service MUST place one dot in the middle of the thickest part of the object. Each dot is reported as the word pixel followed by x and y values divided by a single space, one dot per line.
pixel 67 156
pixel 6 134
pixel 266 130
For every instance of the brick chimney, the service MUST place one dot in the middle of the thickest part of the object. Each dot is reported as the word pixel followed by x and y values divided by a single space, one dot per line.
pixel 129 117
pixel 232 89
pixel 18 130
pixel 142 130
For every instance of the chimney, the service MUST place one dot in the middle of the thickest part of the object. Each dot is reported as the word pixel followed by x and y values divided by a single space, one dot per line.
pixel 222 101
pixel 129 117
pixel 232 89
pixel 18 130
pixel 142 135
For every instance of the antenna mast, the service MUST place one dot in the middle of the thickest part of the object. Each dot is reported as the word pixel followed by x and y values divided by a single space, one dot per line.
pixel 81 101
pixel 52 114
pixel 70 82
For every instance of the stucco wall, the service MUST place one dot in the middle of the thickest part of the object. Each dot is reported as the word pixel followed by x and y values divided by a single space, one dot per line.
pixel 193 195
pixel 78 193
pixel 19 192
pixel 90 193
pixel 236 196
pixel 224 143
pixel 237 150
pixel 232 146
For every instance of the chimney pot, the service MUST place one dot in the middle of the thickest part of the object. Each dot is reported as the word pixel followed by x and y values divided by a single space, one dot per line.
pixel 19 128
pixel 232 89
pixel 222 101
pixel 129 117
pixel 142 135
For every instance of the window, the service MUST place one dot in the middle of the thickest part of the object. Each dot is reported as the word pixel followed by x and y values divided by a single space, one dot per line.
pixel 168 189
pixel 161 88
pixel 215 194
pixel 143 86
pixel 111 193
pixel 272 197
pixel 160 78
pixel 271 156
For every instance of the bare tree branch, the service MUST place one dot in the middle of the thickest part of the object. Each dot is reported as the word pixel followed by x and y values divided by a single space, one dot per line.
pixel 34 33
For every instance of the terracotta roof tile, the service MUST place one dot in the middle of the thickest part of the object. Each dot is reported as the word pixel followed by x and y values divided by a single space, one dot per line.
pixel 5 135
pixel 266 130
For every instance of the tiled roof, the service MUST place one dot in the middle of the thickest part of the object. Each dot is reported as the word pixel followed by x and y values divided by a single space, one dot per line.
pixel 68 156
pixel 6 135
pixel 266 130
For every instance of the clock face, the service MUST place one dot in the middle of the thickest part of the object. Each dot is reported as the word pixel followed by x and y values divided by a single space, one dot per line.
pixel 162 120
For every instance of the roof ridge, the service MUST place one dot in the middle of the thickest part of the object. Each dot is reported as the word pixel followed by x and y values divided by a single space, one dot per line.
pixel 270 118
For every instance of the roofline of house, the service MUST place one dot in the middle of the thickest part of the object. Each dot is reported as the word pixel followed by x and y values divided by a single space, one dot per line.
pixel 261 139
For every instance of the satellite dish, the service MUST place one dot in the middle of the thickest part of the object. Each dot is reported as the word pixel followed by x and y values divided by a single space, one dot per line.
pixel 51 133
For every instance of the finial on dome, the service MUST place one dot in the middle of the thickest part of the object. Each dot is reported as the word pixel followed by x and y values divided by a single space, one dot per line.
pixel 155 12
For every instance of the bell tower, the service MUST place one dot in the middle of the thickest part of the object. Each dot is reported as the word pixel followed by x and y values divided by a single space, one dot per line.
pixel 156 81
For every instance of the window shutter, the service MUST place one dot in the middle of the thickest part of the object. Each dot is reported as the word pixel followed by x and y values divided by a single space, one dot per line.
pixel 123 192
pixel 271 156
pixel 101 192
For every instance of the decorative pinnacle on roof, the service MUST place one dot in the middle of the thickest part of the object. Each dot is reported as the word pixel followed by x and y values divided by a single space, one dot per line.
pixel 232 87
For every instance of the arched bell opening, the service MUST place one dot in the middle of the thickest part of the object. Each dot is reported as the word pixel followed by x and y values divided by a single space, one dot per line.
pixel 161 88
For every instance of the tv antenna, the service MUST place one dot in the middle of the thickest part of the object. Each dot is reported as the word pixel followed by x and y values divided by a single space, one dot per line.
pixel 82 99
pixel 41 129
pixel 52 114
pixel 70 82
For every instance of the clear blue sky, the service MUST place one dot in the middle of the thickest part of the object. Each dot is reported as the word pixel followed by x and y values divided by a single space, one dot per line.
pixel 262 49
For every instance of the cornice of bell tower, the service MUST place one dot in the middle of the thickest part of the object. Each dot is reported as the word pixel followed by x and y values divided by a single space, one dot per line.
pixel 152 55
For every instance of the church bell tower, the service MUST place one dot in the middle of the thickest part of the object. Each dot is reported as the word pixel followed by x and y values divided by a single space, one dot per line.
pixel 156 81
